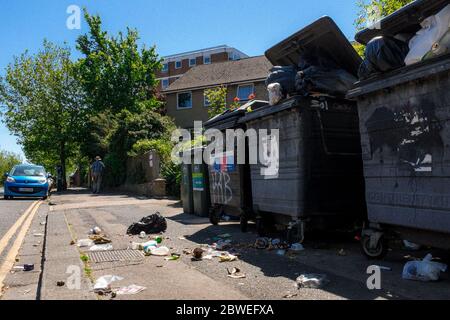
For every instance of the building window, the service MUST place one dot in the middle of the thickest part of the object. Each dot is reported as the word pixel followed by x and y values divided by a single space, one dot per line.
pixel 206 101
pixel 207 59
pixel 178 64
pixel 165 83
pixel 165 67
pixel 245 91
pixel 184 100
pixel 192 62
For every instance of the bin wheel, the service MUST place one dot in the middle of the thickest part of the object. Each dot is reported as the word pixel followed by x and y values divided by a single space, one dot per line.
pixel 260 226
pixel 295 234
pixel 244 222
pixel 214 216
pixel 379 252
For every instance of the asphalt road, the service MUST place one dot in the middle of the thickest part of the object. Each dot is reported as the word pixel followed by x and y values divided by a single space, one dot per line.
pixel 10 211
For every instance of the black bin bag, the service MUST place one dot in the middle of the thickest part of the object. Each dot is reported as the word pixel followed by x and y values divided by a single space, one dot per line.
pixel 383 54
pixel 285 76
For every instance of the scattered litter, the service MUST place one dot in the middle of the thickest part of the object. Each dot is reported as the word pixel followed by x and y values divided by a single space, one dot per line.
pixel 38 234
pixel 411 246
pixel 290 295
pixel 85 243
pixel 152 224
pixel 235 273
pixel 26 291
pixel 161 251
pixel 224 236
pixel 198 253
pixel 297 247
pixel 101 247
pixel 18 268
pixel 72 242
pixel 28 267
pixel 342 253
pixel 60 283
pixel 173 257
pixel 103 284
pixel 149 245
pixel 96 230
pixel 43 223
pixel 227 258
pixel 312 281
pixel 262 243
pixel 142 235
pixel 425 270
pixel 281 252
pixel 100 239
pixel 132 289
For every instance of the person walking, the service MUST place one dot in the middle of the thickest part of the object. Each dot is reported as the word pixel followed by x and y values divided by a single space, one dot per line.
pixel 97 169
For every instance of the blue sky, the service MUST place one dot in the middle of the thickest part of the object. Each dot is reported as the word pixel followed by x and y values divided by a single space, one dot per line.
pixel 174 26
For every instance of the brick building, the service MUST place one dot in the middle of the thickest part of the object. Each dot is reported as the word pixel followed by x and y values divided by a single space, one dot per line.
pixel 174 66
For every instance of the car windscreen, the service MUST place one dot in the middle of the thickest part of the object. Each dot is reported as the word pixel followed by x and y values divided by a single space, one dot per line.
pixel 28 171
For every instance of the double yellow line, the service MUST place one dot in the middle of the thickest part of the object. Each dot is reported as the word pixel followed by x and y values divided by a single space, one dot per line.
pixel 23 223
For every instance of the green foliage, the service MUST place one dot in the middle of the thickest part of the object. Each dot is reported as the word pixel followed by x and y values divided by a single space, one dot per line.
pixel 374 10
pixel 162 146
pixel 7 161
pixel 217 98
pixel 171 172
pixel 115 73
pixel 44 105
pixel 371 11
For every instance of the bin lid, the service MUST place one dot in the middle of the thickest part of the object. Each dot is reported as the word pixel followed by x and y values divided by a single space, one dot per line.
pixel 324 35
pixel 268 110
pixel 404 20
pixel 230 118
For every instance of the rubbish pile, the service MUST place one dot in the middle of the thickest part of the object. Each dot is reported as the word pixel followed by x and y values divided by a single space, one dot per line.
pixel 316 73
pixel 385 53
pixel 276 244
pixel 97 241
pixel 152 224
pixel 103 286
pixel 425 270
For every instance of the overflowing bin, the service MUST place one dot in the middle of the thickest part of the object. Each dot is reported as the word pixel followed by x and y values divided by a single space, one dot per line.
pixel 230 187
pixel 405 136
pixel 320 182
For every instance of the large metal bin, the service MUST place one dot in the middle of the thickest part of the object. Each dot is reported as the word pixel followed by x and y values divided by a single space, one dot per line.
pixel 230 187
pixel 405 136
pixel 320 180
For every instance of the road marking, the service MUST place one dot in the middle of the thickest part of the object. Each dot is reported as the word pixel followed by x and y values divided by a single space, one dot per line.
pixel 12 254
pixel 12 231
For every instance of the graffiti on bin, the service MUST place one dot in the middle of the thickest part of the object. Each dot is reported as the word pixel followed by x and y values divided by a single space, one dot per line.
pixel 220 184
pixel 412 132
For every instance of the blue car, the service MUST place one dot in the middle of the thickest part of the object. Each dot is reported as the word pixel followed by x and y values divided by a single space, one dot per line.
pixel 27 180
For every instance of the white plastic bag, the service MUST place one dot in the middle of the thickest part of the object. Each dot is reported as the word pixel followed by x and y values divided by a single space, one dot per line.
pixel 161 251
pixel 275 93
pixel 425 270
pixel 433 29
pixel 104 283
pixel 102 247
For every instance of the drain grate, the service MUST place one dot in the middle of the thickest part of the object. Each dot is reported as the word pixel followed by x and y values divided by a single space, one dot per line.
pixel 132 256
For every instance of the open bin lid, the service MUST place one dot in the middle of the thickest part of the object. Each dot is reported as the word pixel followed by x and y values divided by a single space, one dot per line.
pixel 230 118
pixel 323 35
pixel 404 20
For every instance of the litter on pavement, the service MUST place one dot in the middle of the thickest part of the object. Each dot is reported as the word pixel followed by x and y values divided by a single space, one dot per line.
pixel 103 284
pixel 425 270
pixel 130 290
pixel 100 239
pixel 411 246
pixel 152 224
pixel 312 281
pixel 235 273
pixel 101 247
pixel 82 243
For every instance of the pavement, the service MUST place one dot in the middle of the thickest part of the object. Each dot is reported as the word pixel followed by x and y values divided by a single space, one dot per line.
pixel 268 275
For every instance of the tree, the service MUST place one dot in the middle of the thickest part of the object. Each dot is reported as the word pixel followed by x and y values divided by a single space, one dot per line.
pixel 44 105
pixel 217 98
pixel 372 11
pixel 7 161
pixel 119 80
